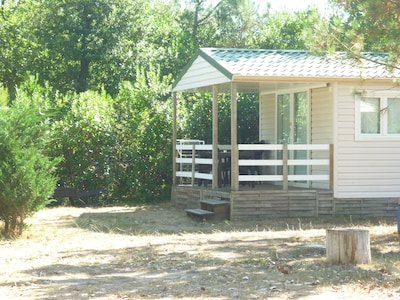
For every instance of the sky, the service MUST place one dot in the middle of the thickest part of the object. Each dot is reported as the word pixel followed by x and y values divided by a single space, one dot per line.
pixel 294 4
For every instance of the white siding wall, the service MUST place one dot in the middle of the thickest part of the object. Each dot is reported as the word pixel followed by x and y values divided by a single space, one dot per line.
pixel 267 118
pixel 364 169
pixel 267 125
pixel 200 74
pixel 321 123
pixel 321 116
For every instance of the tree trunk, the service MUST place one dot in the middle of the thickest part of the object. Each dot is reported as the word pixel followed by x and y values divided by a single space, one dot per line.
pixel 344 246
pixel 85 60
pixel 83 75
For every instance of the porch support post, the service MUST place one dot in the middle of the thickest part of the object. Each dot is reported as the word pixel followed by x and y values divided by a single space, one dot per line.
pixel 234 144
pixel 331 167
pixel 174 138
pixel 285 167
pixel 215 170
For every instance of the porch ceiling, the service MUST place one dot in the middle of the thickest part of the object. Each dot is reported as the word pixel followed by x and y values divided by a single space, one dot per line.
pixel 262 87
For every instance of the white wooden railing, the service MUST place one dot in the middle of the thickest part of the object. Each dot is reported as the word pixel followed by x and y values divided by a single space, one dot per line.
pixel 321 155
pixel 189 157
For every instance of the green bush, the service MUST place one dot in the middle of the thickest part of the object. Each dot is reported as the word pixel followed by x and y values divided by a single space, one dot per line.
pixel 83 127
pixel 26 172
pixel 121 145
pixel 196 111
pixel 143 150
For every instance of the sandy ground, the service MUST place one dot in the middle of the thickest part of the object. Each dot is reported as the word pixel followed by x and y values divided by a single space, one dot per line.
pixel 158 252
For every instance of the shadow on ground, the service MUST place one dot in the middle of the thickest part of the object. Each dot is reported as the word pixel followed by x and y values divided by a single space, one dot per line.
pixel 163 254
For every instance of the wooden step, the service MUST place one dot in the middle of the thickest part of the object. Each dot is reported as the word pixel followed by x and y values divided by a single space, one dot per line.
pixel 219 207
pixel 214 201
pixel 210 209
pixel 199 214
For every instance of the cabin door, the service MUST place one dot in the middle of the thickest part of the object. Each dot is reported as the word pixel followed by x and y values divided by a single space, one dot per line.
pixel 292 128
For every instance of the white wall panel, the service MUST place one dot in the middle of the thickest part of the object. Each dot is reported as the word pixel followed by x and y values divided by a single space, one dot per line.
pixel 364 169
pixel 321 116
pixel 200 74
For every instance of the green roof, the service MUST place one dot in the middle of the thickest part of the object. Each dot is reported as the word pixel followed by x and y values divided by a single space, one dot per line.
pixel 232 64
pixel 299 63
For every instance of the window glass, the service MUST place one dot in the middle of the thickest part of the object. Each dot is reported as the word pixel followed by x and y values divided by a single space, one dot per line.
pixel 300 118
pixel 370 115
pixel 300 129
pixel 283 119
pixel 393 111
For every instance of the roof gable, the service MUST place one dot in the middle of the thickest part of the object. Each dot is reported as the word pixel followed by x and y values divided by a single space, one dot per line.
pixel 200 73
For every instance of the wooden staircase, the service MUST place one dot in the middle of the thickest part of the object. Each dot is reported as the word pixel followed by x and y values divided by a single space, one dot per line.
pixel 210 210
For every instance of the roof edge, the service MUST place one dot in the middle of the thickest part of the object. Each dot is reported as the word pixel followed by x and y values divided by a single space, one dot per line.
pixel 184 70
pixel 241 78
pixel 214 63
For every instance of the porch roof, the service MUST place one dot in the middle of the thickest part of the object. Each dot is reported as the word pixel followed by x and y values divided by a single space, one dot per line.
pixel 253 68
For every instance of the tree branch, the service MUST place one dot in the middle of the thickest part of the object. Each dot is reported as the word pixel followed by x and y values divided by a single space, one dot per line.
pixel 210 13
pixel 358 56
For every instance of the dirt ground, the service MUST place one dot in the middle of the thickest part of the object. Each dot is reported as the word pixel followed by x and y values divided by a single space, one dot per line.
pixel 157 252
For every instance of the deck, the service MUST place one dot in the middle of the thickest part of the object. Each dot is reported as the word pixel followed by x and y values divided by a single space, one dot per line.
pixel 260 201
pixel 262 186
pixel 269 201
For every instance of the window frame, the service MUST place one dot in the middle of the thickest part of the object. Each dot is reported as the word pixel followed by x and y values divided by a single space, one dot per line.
pixel 383 116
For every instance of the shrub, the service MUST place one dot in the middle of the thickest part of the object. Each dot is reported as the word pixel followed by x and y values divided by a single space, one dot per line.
pixel 26 172
pixel 85 140
pixel 143 150
pixel 121 145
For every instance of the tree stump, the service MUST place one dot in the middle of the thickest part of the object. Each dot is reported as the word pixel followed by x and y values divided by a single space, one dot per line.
pixel 348 246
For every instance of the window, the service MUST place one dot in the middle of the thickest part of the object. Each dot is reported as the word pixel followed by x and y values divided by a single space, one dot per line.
pixel 292 128
pixel 370 119
pixel 378 116
pixel 292 118
pixel 393 112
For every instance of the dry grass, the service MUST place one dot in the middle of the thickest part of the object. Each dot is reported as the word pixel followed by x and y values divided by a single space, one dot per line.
pixel 156 252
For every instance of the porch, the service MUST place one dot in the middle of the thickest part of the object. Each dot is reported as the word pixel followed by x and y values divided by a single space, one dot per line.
pixel 272 180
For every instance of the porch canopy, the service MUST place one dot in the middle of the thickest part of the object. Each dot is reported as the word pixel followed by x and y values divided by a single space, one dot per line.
pixel 265 71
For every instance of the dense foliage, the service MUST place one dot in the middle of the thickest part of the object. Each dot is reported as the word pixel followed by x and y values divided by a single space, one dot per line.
pixel 143 141
pixel 198 124
pixel 357 26
pixel 84 130
pixel 27 173
pixel 116 144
